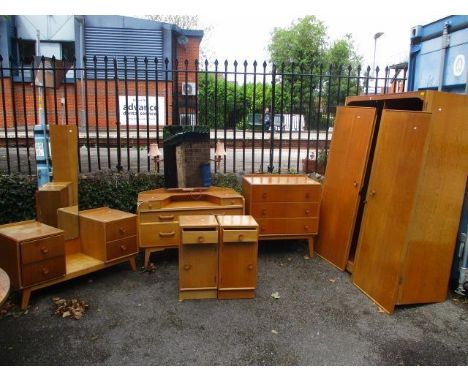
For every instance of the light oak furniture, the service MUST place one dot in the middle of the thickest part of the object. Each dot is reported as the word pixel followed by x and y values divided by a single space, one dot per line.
pixel 198 257
pixel 36 255
pixel 237 256
pixel 285 206
pixel 393 192
pixel 107 234
pixel 49 198
pixel 64 149
pixel 159 211
pixel 4 286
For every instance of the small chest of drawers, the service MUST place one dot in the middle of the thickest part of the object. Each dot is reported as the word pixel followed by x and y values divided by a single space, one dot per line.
pixel 31 253
pixel 238 247
pixel 285 206
pixel 198 257
pixel 107 234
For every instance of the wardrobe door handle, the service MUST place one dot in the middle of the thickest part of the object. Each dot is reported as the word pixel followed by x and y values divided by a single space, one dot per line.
pixel 355 184
pixel 187 267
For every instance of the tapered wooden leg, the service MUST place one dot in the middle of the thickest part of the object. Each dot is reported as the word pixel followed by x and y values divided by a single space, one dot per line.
pixel 132 262
pixel 311 246
pixel 147 257
pixel 25 295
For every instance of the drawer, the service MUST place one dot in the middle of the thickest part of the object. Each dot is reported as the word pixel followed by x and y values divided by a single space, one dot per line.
pixel 302 226
pixel 238 236
pixel 121 248
pixel 284 210
pixel 149 206
pixel 199 237
pixel 158 217
pixel 36 273
pixel 159 234
pixel 43 249
pixel 118 229
pixel 286 194
pixel 173 216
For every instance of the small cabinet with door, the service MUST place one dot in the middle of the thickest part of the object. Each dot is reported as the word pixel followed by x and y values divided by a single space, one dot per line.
pixel 198 257
pixel 238 246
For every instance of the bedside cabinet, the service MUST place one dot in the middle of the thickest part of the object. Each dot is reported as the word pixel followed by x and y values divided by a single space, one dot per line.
pixel 238 247
pixel 107 234
pixel 285 206
pixel 198 257
pixel 31 253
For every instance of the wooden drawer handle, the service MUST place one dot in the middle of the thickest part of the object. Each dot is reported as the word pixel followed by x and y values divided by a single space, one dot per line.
pixel 123 247
pixel 355 184
pixel 241 237
pixel 262 228
pixel 263 211
pixel 307 195
pixel 166 234
pixel 122 230
pixel 307 211
pixel 44 251
pixel 250 267
pixel 306 227
pixel 187 267
pixel 264 195
pixel 201 239
pixel 372 193
pixel 166 217
pixel 45 270
pixel 150 206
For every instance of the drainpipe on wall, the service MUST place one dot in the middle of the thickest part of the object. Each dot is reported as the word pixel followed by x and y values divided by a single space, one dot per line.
pixel 81 20
pixel 443 53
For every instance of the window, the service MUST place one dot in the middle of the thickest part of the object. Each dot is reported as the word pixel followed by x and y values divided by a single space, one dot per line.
pixel 26 51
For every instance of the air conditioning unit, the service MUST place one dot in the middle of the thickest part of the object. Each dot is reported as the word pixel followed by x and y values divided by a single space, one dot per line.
pixel 188 119
pixel 189 88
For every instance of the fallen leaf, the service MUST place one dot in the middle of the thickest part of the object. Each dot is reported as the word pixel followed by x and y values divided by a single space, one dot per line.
pixel 74 308
pixel 306 257
pixel 275 295
pixel 274 331
pixel 332 280
pixel 66 314
pixel 289 258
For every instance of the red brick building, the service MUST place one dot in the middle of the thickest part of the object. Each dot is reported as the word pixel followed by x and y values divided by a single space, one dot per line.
pixel 155 61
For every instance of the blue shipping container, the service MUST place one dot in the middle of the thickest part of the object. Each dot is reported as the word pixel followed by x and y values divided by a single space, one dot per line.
pixel 439 55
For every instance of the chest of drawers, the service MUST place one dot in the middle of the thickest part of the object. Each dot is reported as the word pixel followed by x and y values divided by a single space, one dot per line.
pixel 198 257
pixel 159 211
pixel 107 234
pixel 238 247
pixel 285 206
pixel 31 253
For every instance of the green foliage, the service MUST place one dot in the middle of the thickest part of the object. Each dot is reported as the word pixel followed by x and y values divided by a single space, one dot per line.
pixel 304 48
pixel 112 189
pixel 17 197
pixel 117 190
pixel 229 180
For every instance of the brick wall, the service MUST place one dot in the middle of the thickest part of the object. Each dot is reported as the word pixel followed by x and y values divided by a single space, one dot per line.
pixel 194 155
pixel 19 101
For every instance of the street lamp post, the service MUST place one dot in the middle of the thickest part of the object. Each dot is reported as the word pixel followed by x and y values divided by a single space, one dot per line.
pixel 376 36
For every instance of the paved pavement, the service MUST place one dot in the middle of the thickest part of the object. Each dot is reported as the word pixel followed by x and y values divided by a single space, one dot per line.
pixel 321 318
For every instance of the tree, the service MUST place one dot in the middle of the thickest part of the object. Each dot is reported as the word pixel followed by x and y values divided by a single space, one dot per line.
pixel 182 21
pixel 304 48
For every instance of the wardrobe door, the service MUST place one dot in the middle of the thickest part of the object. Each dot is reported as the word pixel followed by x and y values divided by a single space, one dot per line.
pixel 347 160
pixel 390 197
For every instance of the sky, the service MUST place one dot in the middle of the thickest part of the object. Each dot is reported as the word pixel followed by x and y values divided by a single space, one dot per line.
pixel 241 29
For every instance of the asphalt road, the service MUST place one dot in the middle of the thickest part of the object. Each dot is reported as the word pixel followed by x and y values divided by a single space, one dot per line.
pixel 135 318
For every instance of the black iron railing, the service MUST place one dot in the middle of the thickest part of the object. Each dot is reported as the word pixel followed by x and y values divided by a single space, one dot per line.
pixel 122 105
